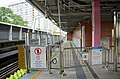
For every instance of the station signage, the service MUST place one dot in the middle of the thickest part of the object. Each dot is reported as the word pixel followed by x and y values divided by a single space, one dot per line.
pixel 38 57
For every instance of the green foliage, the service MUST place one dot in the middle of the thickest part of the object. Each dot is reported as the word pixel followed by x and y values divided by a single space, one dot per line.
pixel 7 15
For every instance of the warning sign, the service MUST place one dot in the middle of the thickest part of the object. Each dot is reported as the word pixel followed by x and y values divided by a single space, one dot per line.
pixel 38 57
pixel 37 51
pixel 85 56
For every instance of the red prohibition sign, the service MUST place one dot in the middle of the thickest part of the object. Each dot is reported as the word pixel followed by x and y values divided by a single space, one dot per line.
pixel 37 51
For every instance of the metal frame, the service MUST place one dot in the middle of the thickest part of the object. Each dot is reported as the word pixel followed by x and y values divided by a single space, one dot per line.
pixel 116 39
pixel 107 59
pixel 27 50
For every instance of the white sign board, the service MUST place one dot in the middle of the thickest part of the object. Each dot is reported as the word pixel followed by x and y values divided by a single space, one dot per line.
pixel 85 56
pixel 38 57
pixel 96 56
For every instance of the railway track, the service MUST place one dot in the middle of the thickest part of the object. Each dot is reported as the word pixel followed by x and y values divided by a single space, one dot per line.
pixel 9 57
pixel 4 44
pixel 9 69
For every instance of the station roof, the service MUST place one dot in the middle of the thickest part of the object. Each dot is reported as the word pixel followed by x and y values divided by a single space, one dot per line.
pixel 74 11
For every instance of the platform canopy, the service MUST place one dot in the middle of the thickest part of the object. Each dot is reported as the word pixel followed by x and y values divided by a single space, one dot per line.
pixel 74 11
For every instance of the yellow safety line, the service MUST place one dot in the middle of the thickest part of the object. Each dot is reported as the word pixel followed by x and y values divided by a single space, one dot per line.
pixel 36 74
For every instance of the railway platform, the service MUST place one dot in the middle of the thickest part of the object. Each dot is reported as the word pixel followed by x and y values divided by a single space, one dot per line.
pixel 71 74
pixel 77 71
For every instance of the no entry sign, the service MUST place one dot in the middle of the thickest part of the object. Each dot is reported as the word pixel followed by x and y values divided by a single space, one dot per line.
pixel 37 57
pixel 37 51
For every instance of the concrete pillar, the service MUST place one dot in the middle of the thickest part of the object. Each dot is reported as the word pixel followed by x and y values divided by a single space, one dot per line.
pixel 96 25
pixel 115 43
pixel 28 30
pixel 69 36
pixel 39 38
pixel 20 34
pixel 83 36
pixel 10 33
pixel 46 39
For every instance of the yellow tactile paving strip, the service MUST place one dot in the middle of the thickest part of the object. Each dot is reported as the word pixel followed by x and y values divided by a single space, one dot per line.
pixel 36 74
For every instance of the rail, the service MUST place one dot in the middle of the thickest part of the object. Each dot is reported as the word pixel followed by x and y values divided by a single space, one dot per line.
pixel 9 57
pixel 6 71
pixel 7 49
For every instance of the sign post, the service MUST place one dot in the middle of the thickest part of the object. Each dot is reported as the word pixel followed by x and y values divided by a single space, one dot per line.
pixel 37 57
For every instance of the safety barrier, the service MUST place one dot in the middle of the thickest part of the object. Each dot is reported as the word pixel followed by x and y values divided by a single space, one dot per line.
pixel 84 56
pixel 73 56
pixel 108 58
pixel 52 54
pixel 38 49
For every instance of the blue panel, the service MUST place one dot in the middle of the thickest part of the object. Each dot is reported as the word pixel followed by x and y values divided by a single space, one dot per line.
pixel 97 47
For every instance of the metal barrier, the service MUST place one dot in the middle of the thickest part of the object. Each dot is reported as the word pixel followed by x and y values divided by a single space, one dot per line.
pixel 74 54
pixel 53 58
pixel 40 52
pixel 108 58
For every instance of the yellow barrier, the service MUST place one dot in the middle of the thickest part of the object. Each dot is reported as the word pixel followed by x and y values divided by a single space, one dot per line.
pixel 21 58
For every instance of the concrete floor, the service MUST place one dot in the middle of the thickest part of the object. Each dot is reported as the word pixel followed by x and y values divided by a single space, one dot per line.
pixel 71 74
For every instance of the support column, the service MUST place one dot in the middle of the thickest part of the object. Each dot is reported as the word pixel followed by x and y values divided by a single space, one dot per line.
pixel 83 36
pixel 115 43
pixel 20 34
pixel 10 33
pixel 39 38
pixel 96 25
pixel 81 40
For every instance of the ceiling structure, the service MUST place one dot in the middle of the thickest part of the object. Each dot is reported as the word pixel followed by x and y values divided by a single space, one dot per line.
pixel 74 11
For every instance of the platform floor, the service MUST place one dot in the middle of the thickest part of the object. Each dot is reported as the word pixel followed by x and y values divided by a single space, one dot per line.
pixel 71 74
pixel 80 72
